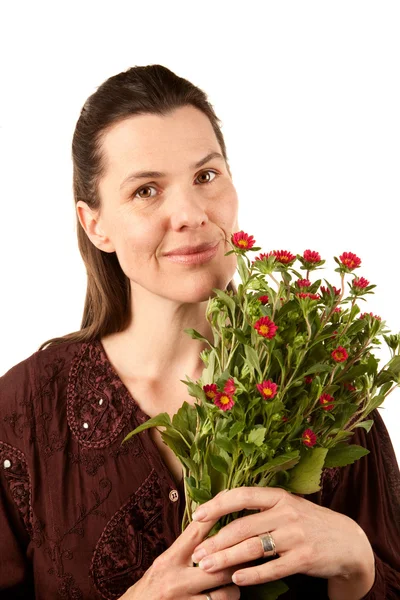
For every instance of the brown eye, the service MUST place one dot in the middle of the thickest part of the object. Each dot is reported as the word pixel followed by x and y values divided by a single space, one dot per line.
pixel 151 187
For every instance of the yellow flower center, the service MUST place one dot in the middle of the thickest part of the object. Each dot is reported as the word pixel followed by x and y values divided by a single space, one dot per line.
pixel 225 399
pixel 267 392
pixel 243 243
pixel 264 329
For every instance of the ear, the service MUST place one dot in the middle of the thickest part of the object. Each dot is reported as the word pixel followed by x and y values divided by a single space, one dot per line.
pixel 90 221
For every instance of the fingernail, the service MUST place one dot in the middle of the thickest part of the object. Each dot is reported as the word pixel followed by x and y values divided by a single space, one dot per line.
pixel 206 563
pixel 198 555
pixel 238 578
pixel 199 514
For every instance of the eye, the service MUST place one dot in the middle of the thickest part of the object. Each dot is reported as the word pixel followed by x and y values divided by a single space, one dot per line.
pixel 148 187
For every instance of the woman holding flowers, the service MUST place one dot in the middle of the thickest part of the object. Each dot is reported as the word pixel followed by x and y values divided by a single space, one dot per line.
pixel 83 516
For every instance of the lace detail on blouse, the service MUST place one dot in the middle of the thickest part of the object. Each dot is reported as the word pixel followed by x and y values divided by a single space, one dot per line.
pixel 15 470
pixel 130 541
pixel 98 407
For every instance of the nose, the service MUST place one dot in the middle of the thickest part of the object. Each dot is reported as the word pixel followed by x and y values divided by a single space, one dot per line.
pixel 188 208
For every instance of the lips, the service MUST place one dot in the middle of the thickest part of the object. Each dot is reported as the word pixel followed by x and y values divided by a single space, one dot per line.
pixel 185 250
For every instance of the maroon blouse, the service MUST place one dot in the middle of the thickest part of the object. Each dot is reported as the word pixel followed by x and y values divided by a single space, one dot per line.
pixel 83 517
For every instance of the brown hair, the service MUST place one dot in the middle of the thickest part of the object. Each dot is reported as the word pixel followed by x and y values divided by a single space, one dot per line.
pixel 151 89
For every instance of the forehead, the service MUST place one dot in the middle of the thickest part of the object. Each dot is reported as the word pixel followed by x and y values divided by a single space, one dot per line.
pixel 157 142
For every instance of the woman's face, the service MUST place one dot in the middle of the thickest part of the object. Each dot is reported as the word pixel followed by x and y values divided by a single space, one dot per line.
pixel 143 218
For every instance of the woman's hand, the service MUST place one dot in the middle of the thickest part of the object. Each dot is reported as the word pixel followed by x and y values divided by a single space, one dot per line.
pixel 173 576
pixel 309 539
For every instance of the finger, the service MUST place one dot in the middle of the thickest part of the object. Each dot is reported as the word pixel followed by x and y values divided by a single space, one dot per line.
pixel 243 530
pixel 230 592
pixel 182 548
pixel 272 570
pixel 252 498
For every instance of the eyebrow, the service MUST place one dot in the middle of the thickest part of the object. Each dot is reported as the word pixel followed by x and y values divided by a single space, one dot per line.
pixel 156 174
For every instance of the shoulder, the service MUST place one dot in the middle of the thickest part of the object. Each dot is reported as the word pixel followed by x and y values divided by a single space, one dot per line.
pixel 28 386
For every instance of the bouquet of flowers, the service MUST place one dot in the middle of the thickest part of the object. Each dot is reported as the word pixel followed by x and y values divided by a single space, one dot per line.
pixel 290 375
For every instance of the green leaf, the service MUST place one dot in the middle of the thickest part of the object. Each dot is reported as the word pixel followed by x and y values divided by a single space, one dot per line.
pixel 236 428
pixel 366 425
pixel 191 465
pixel 226 299
pixel 247 448
pixel 394 365
pixel 161 420
pixel 175 442
pixel 319 368
pixel 256 436
pixel 240 335
pixel 224 442
pixel 184 422
pixel 219 463
pixel 344 454
pixel 197 336
pixel 305 477
pixel 198 495
pixel 242 268
pixel 282 462
pixel 252 358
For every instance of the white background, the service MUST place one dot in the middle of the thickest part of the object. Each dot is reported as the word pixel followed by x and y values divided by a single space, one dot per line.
pixel 308 94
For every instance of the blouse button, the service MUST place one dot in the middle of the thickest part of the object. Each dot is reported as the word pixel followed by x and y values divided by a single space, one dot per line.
pixel 6 464
pixel 86 426
pixel 173 495
pixel 101 401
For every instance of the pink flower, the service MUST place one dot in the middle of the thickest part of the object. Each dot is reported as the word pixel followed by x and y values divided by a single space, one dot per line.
pixel 268 389
pixel 370 315
pixel 263 299
pixel 325 399
pixel 311 256
pixel 303 283
pixel 360 283
pixel 350 260
pixel 339 354
pixel 304 295
pixel 210 390
pixel 309 438
pixel 242 240
pixel 308 379
pixel 326 291
pixel 283 256
pixel 266 327
pixel 229 387
pixel 223 401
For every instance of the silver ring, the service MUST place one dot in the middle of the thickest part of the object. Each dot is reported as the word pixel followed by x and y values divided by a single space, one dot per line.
pixel 267 544
pixel 208 596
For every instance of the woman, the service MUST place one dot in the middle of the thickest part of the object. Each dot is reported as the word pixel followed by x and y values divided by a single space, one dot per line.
pixel 83 516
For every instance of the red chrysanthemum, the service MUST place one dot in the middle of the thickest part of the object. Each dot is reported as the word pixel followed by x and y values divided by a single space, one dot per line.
pixel 325 290
pixel 283 256
pixel 303 283
pixel 308 379
pixel 308 295
pixel 350 260
pixel 370 315
pixel 242 240
pixel 360 283
pixel 263 299
pixel 266 327
pixel 229 387
pixel 325 399
pixel 261 256
pixel 210 390
pixel 337 309
pixel 268 389
pixel 339 354
pixel 311 256
pixel 309 438
pixel 224 401
pixel 284 419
